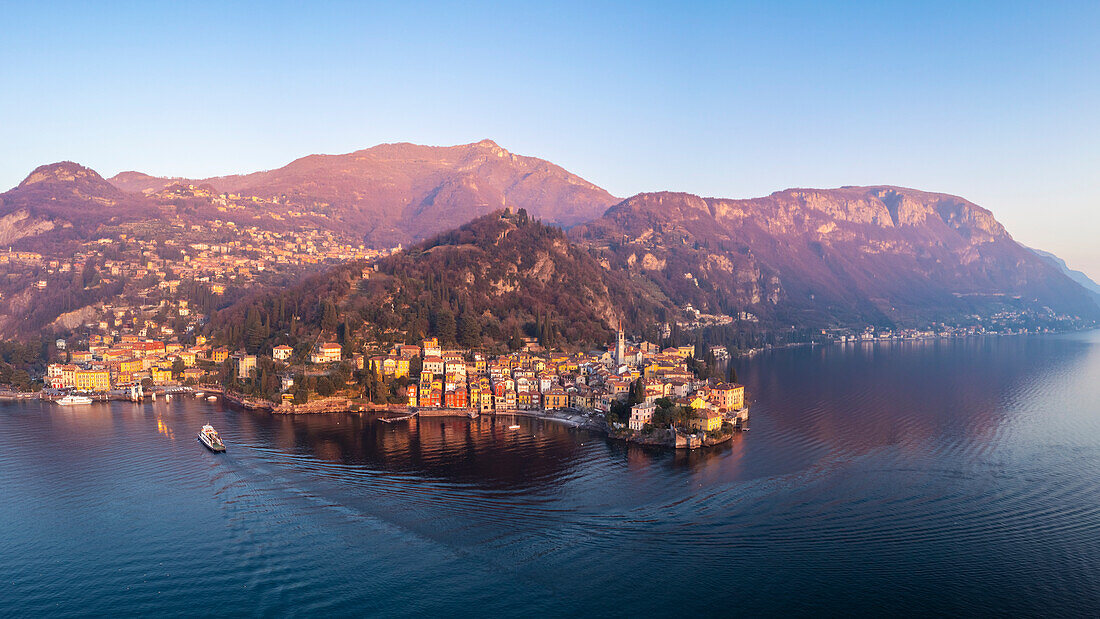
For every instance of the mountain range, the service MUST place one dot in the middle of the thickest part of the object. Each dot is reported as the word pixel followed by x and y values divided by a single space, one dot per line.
pixel 400 193
pixel 878 255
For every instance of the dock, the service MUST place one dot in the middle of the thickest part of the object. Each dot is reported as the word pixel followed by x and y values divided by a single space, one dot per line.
pixel 397 419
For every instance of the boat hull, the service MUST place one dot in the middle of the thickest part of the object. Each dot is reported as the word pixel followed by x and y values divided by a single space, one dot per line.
pixel 214 447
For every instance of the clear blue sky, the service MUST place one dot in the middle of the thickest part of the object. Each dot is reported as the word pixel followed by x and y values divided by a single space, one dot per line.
pixel 997 102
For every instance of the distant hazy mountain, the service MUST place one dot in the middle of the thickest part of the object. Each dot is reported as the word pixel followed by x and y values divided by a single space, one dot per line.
pixel 397 193
pixel 1084 280
pixel 884 255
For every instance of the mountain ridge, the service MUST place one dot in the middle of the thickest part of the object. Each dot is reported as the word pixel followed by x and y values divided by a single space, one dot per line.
pixel 878 254
pixel 1080 277
pixel 65 202
pixel 403 192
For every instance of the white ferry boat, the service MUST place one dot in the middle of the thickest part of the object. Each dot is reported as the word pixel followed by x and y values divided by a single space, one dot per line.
pixel 209 436
pixel 70 400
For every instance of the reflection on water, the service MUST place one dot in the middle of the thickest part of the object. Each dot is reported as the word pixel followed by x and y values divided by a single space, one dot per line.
pixel 949 476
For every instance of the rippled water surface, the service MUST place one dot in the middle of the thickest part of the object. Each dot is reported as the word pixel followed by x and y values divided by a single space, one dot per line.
pixel 912 478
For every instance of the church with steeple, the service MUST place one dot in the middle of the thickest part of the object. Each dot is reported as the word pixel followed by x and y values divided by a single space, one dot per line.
pixel 620 344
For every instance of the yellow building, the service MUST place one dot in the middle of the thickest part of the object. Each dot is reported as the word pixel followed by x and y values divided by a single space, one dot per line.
pixel 93 380
pixel 160 376
pixel 555 399
pixel 709 421
pixel 729 396
pixel 68 375
pixel 486 401
pixel 390 366
pixel 193 374
pixel 219 355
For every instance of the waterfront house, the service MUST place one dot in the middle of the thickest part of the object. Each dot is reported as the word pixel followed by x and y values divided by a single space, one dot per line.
pixel 640 415
pixel 193 374
pixel 245 365
pixel 707 421
pixel 556 398
pixel 729 396
pixel 160 376
pixel 93 380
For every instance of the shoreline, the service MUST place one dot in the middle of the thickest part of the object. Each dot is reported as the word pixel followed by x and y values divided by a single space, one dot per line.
pixel 568 417
pixel 573 419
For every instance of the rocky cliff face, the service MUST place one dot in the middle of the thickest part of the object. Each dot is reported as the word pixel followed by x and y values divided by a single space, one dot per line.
pixel 884 255
pixel 397 193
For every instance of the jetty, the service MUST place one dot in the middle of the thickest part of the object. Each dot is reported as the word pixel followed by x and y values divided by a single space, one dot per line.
pixel 400 418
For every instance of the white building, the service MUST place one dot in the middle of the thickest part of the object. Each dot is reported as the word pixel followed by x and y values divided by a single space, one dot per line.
pixel 329 352
pixel 640 415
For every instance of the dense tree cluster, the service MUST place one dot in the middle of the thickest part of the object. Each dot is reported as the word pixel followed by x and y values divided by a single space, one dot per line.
pixel 488 284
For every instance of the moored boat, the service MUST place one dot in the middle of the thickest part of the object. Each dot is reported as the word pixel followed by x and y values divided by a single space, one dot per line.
pixel 209 436
pixel 70 400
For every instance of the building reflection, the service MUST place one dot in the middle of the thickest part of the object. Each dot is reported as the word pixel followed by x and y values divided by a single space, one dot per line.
pixel 480 451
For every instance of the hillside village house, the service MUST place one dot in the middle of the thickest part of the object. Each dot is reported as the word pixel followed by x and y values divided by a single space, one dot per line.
pixel 433 365
pixel 281 352
pixel 328 352
pixel 430 348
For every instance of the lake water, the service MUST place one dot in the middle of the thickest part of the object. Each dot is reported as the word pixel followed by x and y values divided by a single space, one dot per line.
pixel 957 477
